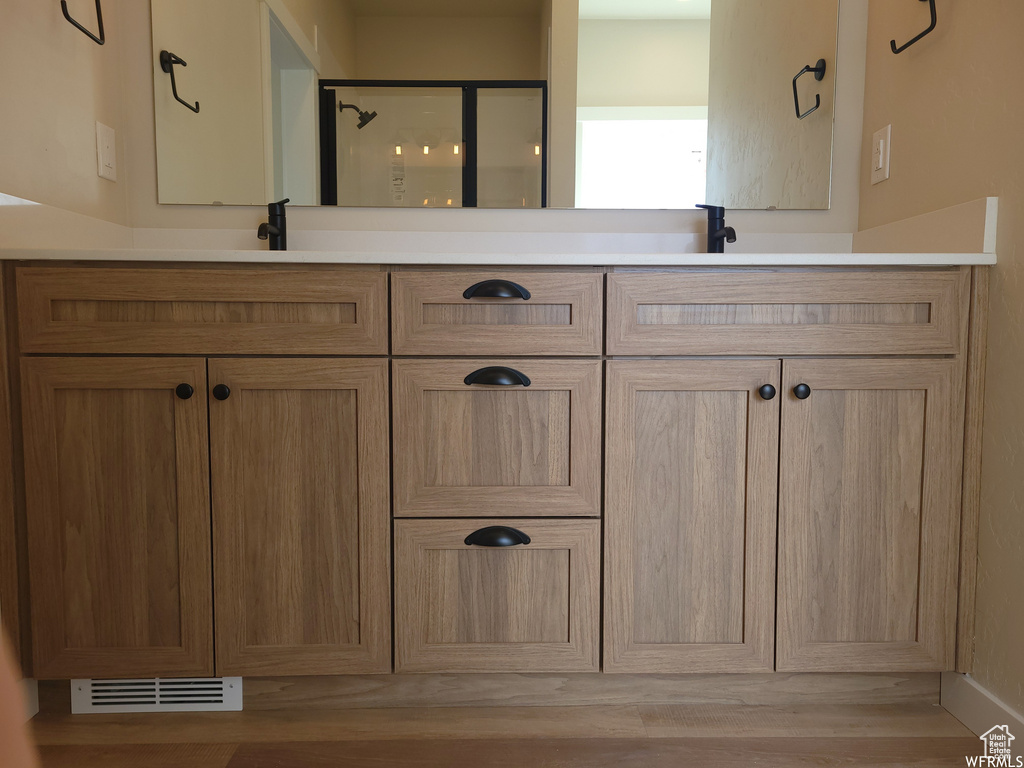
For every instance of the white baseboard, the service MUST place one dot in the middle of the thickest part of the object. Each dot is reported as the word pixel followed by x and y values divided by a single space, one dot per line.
pixel 975 707
pixel 31 698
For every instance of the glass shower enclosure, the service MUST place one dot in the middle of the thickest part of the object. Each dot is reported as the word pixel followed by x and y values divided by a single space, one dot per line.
pixel 434 144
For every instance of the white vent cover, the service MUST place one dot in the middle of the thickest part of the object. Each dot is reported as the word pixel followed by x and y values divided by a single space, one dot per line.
pixel 180 694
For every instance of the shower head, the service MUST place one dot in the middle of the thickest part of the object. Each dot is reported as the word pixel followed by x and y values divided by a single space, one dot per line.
pixel 364 117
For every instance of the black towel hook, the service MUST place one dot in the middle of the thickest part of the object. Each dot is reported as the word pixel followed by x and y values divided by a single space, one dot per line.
pixel 819 74
pixel 935 19
pixel 99 17
pixel 167 62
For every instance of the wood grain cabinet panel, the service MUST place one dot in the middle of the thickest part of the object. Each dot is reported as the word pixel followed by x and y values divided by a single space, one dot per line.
pixel 203 311
pixel 869 501
pixel 744 312
pixel 691 467
pixel 471 450
pixel 118 516
pixel 301 518
pixel 520 608
pixel 562 316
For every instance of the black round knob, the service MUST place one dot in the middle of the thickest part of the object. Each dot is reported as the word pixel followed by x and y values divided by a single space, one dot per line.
pixel 767 392
pixel 222 392
pixel 802 391
pixel 184 391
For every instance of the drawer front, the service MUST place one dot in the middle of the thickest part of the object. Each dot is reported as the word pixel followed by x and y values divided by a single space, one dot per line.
pixel 474 608
pixel 561 316
pixel 787 313
pixel 202 311
pixel 497 449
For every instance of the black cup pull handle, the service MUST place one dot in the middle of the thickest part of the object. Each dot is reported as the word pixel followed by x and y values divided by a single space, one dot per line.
pixel 767 392
pixel 496 289
pixel 184 391
pixel 498 376
pixel 497 536
pixel 802 391
pixel 222 392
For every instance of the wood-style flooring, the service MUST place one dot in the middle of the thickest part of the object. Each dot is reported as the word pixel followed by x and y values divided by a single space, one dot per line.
pixel 859 731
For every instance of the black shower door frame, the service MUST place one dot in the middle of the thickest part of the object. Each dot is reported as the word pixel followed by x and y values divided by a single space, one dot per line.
pixel 470 90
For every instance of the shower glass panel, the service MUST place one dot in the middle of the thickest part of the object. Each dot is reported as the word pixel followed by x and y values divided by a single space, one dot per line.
pixel 408 156
pixel 435 144
pixel 510 147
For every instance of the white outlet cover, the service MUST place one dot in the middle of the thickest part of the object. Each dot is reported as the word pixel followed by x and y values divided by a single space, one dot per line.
pixel 106 152
pixel 881 154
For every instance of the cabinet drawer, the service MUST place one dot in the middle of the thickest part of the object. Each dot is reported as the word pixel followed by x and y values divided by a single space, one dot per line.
pixel 202 311
pixel 787 313
pixel 561 316
pixel 497 450
pixel 472 608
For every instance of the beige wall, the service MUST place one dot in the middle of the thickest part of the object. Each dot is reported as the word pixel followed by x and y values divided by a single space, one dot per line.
pixel 331 25
pixel 57 85
pixel 429 48
pixel 956 108
pixel 643 63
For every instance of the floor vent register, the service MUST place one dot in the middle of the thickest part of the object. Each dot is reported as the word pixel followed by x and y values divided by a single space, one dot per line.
pixel 179 694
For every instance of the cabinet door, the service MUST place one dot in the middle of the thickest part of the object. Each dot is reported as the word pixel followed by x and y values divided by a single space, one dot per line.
pixel 513 449
pixel 691 459
pixel 299 466
pixel 497 606
pixel 117 495
pixel 869 515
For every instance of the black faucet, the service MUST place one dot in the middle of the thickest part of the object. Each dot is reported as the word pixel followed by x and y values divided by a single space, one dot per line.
pixel 276 227
pixel 718 233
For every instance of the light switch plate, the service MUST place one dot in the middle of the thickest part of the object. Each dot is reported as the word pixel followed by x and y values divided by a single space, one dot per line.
pixel 106 152
pixel 881 152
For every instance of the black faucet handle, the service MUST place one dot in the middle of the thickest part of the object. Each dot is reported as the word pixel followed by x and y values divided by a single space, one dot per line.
pixel 277 209
pixel 714 211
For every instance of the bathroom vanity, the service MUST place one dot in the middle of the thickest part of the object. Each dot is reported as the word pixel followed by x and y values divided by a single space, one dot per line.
pixel 324 469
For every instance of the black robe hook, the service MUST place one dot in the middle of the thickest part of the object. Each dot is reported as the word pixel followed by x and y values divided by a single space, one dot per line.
pixel 99 18
pixel 167 62
pixel 935 19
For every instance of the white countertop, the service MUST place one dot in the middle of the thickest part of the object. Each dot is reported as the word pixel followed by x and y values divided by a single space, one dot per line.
pixel 511 259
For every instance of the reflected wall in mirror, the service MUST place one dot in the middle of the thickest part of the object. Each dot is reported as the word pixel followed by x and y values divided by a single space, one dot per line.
pixel 637 97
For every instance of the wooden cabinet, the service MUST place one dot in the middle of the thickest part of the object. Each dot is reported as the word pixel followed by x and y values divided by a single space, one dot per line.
pixel 749 523
pixel 519 438
pixel 691 469
pixel 118 486
pixel 300 516
pixel 499 606
pixel 117 496
pixel 118 471
pixel 868 490
pixel 869 504
pixel 870 467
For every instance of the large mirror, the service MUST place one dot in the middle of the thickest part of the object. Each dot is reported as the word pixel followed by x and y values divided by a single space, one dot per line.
pixel 610 103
